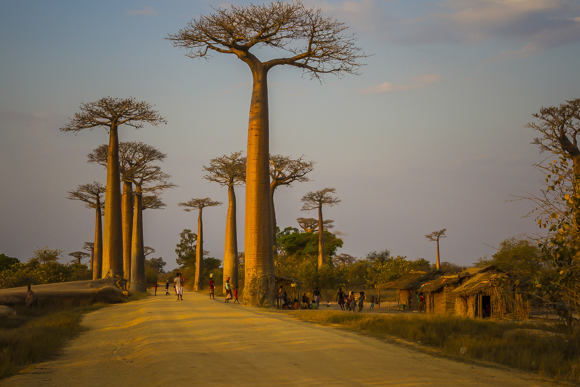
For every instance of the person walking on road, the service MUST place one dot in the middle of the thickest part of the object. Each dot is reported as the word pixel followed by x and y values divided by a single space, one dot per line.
pixel 167 287
pixel 178 287
pixel 236 296
pixel 340 298
pixel 155 288
pixel 211 287
pixel 228 291
pixel 316 294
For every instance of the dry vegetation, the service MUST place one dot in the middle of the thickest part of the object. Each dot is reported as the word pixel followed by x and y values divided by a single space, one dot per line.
pixel 550 354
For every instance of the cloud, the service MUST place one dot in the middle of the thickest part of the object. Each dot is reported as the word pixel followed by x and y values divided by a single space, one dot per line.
pixel 419 82
pixel 149 11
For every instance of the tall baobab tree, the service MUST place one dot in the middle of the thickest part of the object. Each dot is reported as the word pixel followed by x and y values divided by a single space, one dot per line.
pixel 315 201
pixel 285 171
pixel 110 113
pixel 559 127
pixel 434 237
pixel 192 205
pixel 91 195
pixel 311 224
pixel 150 178
pixel 79 255
pixel 315 44
pixel 229 171
pixel 133 157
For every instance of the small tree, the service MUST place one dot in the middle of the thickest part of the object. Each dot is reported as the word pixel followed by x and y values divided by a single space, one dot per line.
pixel 79 255
pixel 186 249
pixel 316 45
pixel 46 256
pixel 283 172
pixel 229 171
pixel 315 201
pixel 434 237
pixel 111 113
pixel 91 195
pixel 311 224
pixel 192 205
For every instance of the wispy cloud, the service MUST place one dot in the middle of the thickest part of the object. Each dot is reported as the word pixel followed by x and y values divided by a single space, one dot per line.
pixel 419 82
pixel 149 11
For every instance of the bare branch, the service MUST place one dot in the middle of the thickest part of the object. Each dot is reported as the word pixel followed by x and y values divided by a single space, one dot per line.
pixel 315 200
pixel 227 170
pixel 89 193
pixel 285 171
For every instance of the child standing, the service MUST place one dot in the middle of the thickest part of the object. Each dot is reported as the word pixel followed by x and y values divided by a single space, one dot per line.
pixel 211 287
pixel 372 302
pixel 236 296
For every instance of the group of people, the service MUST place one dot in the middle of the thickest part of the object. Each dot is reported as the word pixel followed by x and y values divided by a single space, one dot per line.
pixel 420 301
pixel 349 302
pixel 229 294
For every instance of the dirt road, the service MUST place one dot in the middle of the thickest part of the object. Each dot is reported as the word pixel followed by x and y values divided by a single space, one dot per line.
pixel 159 342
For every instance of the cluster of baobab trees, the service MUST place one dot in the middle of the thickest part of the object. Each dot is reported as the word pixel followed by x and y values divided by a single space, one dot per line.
pixel 311 42
pixel 118 250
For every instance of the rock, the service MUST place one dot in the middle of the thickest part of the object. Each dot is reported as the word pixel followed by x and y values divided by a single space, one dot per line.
pixel 463 350
pixel 6 311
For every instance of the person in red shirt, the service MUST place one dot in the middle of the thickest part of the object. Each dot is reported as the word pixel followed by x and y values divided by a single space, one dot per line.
pixel 236 296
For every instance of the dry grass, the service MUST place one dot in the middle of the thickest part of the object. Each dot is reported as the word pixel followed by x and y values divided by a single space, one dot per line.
pixel 556 356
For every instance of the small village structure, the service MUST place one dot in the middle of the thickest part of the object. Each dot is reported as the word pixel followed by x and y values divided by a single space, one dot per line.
pixel 408 285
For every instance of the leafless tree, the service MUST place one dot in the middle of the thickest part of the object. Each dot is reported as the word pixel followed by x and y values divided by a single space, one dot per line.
pixel 79 255
pixel 311 224
pixel 149 179
pixel 559 127
pixel 283 172
pixel 133 158
pixel 434 237
pixel 90 194
pixel 110 113
pixel 315 201
pixel 192 205
pixel 89 246
pixel 229 171
pixel 147 251
pixel 344 259
pixel 313 43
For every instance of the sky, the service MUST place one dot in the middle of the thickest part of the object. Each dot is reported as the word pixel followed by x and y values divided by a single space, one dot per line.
pixel 431 135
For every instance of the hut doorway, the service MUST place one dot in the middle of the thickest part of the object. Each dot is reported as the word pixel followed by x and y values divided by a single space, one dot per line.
pixel 485 306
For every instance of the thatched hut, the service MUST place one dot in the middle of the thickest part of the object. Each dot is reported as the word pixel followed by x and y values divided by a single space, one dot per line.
pixel 408 284
pixel 439 296
pixel 490 293
pixel 291 286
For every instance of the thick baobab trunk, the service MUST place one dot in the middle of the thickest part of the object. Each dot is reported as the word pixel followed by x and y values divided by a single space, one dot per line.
pixel 259 286
pixel 198 284
pixel 138 283
pixel 98 244
pixel 127 217
pixel 321 251
pixel 113 234
pixel 438 262
pixel 231 247
pixel 273 212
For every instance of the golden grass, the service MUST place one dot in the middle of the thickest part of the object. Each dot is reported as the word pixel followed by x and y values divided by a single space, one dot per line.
pixel 556 356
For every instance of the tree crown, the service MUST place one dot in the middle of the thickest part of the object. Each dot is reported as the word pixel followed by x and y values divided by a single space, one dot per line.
pixel 311 224
pixel 198 204
pixel 314 43
pixel 89 193
pixel 112 112
pixel 436 235
pixel 227 170
pixel 285 171
pixel 315 200
pixel 559 127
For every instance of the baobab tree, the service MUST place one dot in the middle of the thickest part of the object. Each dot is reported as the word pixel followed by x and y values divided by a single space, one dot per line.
pixel 133 157
pixel 344 259
pixel 559 127
pixel 314 44
pixel 311 224
pixel 79 255
pixel 111 113
pixel 89 246
pixel 192 205
pixel 91 195
pixel 315 201
pixel 150 178
pixel 434 237
pixel 229 171
pixel 283 172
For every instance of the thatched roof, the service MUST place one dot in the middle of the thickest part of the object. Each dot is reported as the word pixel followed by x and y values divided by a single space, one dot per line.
pixel 412 280
pixel 479 283
pixel 438 284
pixel 286 280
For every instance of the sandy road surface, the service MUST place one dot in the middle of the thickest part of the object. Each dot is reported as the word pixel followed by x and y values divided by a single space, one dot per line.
pixel 159 342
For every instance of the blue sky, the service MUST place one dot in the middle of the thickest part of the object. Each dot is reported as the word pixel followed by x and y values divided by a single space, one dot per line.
pixel 431 135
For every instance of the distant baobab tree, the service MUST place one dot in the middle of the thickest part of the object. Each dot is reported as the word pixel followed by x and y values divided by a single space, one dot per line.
pixel 315 201
pixel 147 179
pixel 311 224
pixel 434 237
pixel 79 255
pixel 91 195
pixel 315 44
pixel 192 205
pixel 229 171
pixel 285 171
pixel 89 246
pixel 344 259
pixel 133 157
pixel 110 113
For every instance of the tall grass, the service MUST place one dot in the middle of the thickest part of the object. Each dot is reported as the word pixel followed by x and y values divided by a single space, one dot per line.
pixel 556 356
